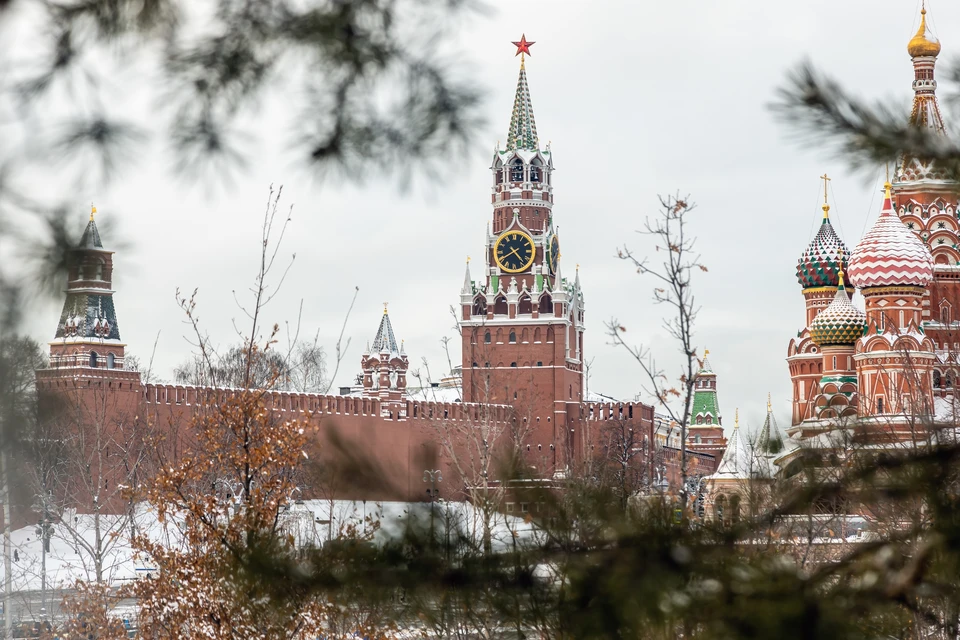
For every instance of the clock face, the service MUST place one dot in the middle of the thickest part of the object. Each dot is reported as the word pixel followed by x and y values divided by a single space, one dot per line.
pixel 553 253
pixel 514 251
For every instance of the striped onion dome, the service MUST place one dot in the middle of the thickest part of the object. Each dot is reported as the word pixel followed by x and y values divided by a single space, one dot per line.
pixel 840 323
pixel 820 263
pixel 890 254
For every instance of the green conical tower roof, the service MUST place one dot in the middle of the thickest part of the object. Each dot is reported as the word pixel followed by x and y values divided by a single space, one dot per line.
pixel 523 127
pixel 706 407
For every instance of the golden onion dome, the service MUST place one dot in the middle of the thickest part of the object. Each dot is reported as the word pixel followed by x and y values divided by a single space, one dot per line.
pixel 924 43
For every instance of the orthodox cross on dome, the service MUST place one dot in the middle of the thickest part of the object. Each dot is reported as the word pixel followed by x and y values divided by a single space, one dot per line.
pixel 523 127
pixel 826 207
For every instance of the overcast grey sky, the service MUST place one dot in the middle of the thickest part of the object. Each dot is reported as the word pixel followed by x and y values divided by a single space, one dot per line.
pixel 638 98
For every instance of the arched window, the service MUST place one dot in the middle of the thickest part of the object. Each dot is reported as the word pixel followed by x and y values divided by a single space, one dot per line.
pixel 937 379
pixel 718 507
pixel 699 419
pixel 499 336
pixel 735 508
pixel 535 170
pixel 549 334
pixel 945 316
pixel 480 306
pixel 98 271
pixel 526 306
pixel 536 334
pixel 546 304
pixel 500 306
pixel 949 380
pixel 486 337
pixel 709 419
pixel 696 439
pixel 516 170
pixel 111 361
pixel 880 405
pixel 524 335
pixel 93 359
pixel 513 336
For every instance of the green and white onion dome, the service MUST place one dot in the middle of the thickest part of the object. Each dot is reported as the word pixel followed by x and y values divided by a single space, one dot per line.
pixel 840 323
pixel 822 260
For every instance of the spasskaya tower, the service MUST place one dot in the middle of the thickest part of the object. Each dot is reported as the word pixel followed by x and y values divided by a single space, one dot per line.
pixel 522 322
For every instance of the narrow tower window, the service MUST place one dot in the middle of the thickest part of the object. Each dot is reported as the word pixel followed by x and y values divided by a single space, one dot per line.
pixel 93 359
pixel 513 337
pixel 486 337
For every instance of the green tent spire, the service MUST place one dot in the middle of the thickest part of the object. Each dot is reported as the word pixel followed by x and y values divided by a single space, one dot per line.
pixel 523 127
pixel 706 407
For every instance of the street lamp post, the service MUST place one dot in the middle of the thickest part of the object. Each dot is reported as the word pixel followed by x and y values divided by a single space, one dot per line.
pixel 433 476
pixel 45 532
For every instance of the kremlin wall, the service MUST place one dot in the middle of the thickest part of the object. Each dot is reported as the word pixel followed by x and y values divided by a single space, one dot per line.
pixel 522 324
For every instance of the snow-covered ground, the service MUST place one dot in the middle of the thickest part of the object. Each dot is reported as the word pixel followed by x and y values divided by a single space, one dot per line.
pixel 73 544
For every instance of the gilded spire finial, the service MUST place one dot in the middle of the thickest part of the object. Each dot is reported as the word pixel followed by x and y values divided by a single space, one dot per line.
pixel 736 418
pixel 769 403
pixel 921 44
pixel 93 211
pixel 706 352
pixel 468 259
pixel 385 308
pixel 826 207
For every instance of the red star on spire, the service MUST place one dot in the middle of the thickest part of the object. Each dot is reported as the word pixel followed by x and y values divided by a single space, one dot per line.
pixel 523 46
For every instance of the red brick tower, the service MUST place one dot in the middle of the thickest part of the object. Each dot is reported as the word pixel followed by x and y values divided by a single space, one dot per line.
pixel 385 365
pixel 87 334
pixel 926 201
pixel 522 323
pixel 86 389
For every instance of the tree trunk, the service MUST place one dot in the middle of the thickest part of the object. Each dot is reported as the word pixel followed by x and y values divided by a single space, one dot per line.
pixel 7 550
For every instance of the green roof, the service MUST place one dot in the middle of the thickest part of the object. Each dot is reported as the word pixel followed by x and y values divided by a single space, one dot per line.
pixel 523 128
pixel 705 403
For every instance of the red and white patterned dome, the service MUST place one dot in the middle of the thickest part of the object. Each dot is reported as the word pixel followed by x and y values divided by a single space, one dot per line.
pixel 890 254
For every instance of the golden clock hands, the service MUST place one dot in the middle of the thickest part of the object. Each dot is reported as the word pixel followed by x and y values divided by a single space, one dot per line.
pixel 514 252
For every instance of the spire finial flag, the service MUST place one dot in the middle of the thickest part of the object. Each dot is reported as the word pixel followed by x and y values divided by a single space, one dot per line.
pixel 93 211
pixel 826 207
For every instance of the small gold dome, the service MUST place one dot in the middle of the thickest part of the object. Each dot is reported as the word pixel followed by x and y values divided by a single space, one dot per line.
pixel 924 43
